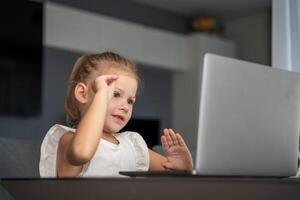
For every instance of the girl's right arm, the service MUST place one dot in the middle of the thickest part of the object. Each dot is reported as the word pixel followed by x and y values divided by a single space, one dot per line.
pixel 77 149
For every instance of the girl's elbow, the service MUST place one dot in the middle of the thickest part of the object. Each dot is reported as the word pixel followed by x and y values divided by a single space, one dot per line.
pixel 80 156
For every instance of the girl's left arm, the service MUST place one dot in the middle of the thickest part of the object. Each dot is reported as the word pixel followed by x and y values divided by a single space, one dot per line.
pixel 178 156
pixel 156 161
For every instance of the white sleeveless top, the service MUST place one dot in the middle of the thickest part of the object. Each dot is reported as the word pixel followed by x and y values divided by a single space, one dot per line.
pixel 131 154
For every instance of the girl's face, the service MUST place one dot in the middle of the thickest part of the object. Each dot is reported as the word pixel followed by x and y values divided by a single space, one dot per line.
pixel 119 109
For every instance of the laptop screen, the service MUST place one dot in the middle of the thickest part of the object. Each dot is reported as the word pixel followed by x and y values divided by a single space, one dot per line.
pixel 248 119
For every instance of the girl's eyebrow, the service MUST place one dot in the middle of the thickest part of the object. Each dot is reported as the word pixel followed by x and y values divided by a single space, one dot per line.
pixel 119 89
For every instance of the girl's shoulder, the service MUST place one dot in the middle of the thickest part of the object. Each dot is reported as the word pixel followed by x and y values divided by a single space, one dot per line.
pixel 55 133
pixel 49 148
pixel 59 129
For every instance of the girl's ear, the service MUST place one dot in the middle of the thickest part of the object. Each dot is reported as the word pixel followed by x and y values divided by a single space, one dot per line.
pixel 81 93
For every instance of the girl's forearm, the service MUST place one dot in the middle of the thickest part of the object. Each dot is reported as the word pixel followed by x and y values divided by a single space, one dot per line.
pixel 89 131
pixel 156 161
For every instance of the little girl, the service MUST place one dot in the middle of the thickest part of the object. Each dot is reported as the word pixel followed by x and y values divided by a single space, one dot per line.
pixel 99 101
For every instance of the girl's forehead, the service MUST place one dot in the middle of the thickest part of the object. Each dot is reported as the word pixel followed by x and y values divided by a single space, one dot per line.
pixel 127 85
pixel 115 69
pixel 120 72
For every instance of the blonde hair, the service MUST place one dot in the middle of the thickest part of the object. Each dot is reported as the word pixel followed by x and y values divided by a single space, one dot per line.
pixel 82 69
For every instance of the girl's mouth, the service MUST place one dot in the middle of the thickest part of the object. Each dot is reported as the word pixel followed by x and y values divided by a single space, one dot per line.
pixel 119 117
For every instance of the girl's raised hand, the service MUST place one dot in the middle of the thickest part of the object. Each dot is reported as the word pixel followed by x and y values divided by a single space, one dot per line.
pixel 177 153
pixel 105 83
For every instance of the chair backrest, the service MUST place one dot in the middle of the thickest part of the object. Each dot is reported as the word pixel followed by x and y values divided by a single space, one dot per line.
pixel 4 194
pixel 19 157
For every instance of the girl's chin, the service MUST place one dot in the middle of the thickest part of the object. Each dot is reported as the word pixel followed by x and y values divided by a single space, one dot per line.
pixel 112 130
pixel 114 126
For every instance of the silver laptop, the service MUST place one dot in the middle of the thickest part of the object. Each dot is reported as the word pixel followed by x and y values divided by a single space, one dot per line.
pixel 249 119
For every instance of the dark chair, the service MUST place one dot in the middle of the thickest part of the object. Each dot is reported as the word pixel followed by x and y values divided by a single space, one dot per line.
pixel 19 157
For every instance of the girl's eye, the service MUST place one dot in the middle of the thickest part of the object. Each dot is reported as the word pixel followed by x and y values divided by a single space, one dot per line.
pixel 117 94
pixel 130 101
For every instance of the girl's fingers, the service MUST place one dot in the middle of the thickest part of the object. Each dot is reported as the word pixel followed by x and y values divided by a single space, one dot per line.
pixel 111 78
pixel 173 137
pixel 164 143
pixel 103 81
pixel 168 137
pixel 180 140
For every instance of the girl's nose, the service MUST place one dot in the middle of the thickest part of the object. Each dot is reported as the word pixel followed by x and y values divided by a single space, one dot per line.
pixel 125 107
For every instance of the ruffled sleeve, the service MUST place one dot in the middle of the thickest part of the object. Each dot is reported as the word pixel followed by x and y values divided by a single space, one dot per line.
pixel 47 165
pixel 141 149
